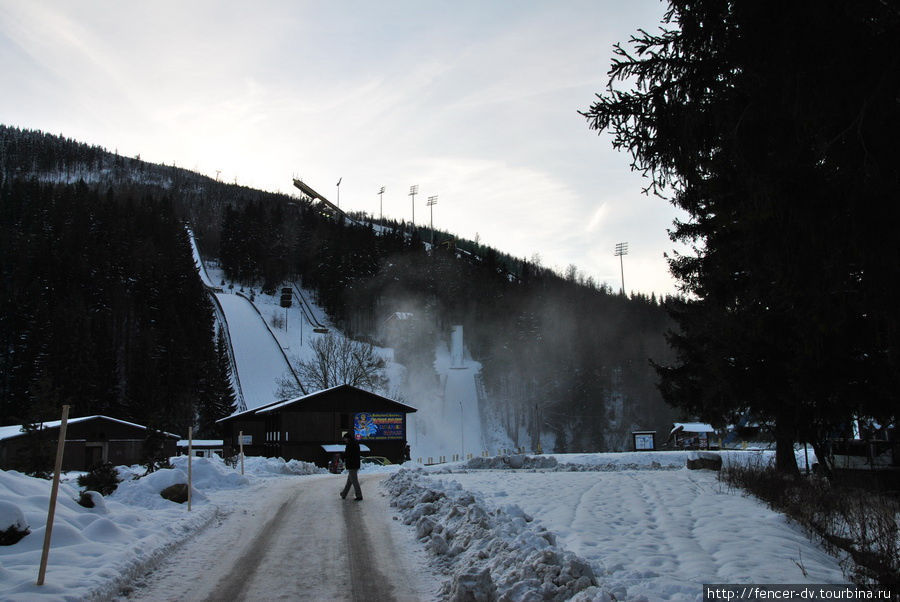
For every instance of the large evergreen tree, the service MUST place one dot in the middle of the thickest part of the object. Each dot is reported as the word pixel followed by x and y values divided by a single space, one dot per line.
pixel 772 125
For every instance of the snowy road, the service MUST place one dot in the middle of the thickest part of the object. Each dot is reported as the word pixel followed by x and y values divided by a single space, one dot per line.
pixel 295 539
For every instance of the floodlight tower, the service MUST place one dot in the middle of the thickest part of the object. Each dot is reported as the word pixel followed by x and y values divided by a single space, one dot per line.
pixel 413 191
pixel 432 201
pixel 381 204
pixel 622 249
pixel 339 192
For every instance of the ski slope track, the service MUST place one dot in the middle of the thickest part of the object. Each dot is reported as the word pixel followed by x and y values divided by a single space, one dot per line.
pixel 259 358
pixel 307 310
pixel 259 361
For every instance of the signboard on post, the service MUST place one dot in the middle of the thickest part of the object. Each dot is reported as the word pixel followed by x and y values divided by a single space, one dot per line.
pixel 379 425
pixel 644 440
pixel 286 297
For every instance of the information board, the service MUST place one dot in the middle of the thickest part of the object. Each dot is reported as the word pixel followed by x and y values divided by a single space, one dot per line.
pixel 378 425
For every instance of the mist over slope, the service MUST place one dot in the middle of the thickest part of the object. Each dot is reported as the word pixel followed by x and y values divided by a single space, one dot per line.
pixel 562 363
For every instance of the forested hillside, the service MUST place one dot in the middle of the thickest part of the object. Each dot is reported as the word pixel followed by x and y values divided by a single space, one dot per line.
pixel 560 354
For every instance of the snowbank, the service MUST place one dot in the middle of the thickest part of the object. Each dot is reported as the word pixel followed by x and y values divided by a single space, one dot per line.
pixel 96 550
pixel 616 461
pixel 489 552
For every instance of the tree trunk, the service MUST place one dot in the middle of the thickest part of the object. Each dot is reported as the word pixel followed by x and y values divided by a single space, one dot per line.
pixel 785 460
pixel 821 450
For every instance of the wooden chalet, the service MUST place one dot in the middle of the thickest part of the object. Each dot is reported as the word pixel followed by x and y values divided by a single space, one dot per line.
pixel 90 440
pixel 302 428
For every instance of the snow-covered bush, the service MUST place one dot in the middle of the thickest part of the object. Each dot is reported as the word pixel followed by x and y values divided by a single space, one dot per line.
pixel 103 478
pixel 12 524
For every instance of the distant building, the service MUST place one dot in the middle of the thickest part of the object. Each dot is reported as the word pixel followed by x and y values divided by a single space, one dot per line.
pixel 690 435
pixel 304 427
pixel 200 448
pixel 90 440
pixel 398 332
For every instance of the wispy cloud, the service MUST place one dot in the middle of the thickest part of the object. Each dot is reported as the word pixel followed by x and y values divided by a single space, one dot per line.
pixel 474 102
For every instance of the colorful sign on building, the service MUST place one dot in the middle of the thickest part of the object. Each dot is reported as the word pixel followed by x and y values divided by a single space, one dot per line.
pixel 378 425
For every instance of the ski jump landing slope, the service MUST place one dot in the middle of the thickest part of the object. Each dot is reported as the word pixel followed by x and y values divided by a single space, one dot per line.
pixel 257 355
pixel 260 360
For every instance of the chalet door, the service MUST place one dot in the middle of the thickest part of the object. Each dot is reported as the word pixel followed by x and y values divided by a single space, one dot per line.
pixel 93 455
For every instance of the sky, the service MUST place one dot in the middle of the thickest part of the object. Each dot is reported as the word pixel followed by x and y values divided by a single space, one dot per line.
pixel 475 103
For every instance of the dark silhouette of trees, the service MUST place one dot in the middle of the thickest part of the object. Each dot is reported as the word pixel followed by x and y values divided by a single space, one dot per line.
pixel 773 126
pixel 101 307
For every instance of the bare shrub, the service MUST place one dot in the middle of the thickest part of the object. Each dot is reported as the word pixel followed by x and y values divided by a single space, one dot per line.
pixel 861 524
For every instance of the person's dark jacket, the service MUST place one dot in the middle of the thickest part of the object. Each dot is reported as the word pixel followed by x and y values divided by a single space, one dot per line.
pixel 351 454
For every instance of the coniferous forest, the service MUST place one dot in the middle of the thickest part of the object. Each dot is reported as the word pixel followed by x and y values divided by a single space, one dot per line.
pixel 102 307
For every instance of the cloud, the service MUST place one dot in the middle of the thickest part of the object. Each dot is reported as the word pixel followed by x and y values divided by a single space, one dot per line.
pixel 476 103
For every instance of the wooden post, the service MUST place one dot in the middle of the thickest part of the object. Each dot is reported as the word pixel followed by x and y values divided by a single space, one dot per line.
pixel 241 443
pixel 54 490
pixel 190 459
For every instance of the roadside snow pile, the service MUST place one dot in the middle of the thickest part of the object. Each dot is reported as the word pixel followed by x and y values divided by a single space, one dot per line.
pixel 97 550
pixel 489 553
pixel 93 548
pixel 550 463
pixel 514 462
pixel 262 467
pixel 145 492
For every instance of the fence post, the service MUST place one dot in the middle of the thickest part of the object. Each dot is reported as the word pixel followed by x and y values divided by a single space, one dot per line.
pixel 190 454
pixel 54 490
pixel 241 443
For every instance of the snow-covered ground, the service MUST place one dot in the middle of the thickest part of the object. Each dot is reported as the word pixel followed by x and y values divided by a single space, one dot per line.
pixel 638 526
pixel 94 551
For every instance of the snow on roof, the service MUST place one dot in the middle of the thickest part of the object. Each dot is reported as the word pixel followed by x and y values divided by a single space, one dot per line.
pixel 201 443
pixel 281 404
pixel 15 430
pixel 337 448
pixel 693 427
pixel 400 315
pixel 256 409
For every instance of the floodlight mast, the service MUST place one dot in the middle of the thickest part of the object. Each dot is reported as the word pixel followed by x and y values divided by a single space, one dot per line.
pixel 622 249
pixel 339 192
pixel 381 204
pixel 432 201
pixel 413 191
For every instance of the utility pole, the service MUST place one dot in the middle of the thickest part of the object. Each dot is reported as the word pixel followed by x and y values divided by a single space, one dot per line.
pixel 413 191
pixel 622 249
pixel 462 440
pixel 381 204
pixel 432 201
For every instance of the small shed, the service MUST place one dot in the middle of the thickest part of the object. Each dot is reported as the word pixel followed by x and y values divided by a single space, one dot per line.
pixel 690 435
pixel 90 440
pixel 200 448
pixel 302 428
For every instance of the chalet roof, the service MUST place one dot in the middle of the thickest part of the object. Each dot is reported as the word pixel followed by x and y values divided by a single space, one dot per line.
pixel 15 430
pixel 333 391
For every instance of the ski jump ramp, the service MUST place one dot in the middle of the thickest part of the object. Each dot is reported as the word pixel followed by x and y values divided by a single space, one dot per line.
pixel 260 361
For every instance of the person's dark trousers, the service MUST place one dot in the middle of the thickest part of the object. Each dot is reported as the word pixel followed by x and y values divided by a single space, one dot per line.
pixel 352 479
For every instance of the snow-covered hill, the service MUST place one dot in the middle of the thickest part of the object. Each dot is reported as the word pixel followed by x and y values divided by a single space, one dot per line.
pixel 266 336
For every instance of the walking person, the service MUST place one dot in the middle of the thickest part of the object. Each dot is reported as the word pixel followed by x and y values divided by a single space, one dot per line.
pixel 351 462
